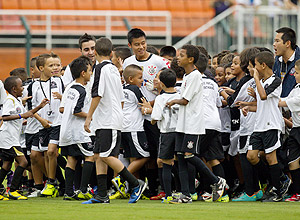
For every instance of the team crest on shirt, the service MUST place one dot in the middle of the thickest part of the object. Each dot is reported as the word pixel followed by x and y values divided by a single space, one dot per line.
pixel 53 85
pixel 152 70
pixel 18 110
pixel 190 145
pixel 292 71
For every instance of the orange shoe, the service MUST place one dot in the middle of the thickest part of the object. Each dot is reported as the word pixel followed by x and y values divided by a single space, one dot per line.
pixel 159 196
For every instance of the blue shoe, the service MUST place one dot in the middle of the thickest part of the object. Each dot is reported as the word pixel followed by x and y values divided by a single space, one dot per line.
pixel 259 194
pixel 98 199
pixel 137 192
pixel 245 198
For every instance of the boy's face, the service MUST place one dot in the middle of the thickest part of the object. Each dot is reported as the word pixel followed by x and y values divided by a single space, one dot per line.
pixel 56 67
pixel 228 74
pixel 279 46
pixel 138 46
pixel 220 76
pixel 114 59
pixel 235 66
pixel 182 59
pixel 168 57
pixel 88 50
pixel 35 72
pixel 297 74
pixel 50 67
pixel 250 67
pixel 87 75
pixel 137 79
pixel 18 89
pixel 259 68
pixel 215 62
pixel 156 81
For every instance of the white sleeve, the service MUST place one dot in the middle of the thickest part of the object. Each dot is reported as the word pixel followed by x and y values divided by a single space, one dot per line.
pixel 157 111
pixel 193 85
pixel 2 93
pixel 9 107
pixel 67 78
pixel 293 103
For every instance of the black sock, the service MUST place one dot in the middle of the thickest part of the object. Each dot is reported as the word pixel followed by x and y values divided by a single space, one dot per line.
pixel 60 177
pixel 202 169
pixel 218 170
pixel 15 183
pixel 86 175
pixel 51 181
pixel 70 173
pixel 61 161
pixel 296 180
pixel 161 181
pixel 102 185
pixel 78 175
pixel 248 174
pixel 30 183
pixel 39 186
pixel 167 178
pixel 176 176
pixel 133 182
pixel 262 171
pixel 192 175
pixel 3 174
pixel 275 172
pixel 183 174
pixel 152 175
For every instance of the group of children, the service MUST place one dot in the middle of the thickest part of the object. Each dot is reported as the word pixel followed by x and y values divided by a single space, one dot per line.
pixel 171 116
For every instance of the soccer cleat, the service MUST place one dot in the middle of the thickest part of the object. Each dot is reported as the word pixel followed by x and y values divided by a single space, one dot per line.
pixel 119 185
pixel 206 196
pixel 294 198
pixel 176 194
pixel 49 191
pixel 3 198
pixel 34 193
pixel 224 199
pixel 137 191
pixel 218 189
pixel 83 196
pixel 259 194
pixel 182 199
pixel 98 199
pixel 16 195
pixel 159 196
pixel 143 197
pixel 117 195
pixel 167 200
pixel 69 198
pixel 272 197
pixel 245 198
pixel 285 185
pixel 9 177
pixel 194 196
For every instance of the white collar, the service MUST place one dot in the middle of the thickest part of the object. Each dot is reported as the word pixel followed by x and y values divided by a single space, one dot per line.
pixel 290 59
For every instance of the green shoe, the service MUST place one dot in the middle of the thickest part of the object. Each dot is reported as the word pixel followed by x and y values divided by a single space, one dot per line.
pixel 167 200
pixel 224 199
pixel 194 196
pixel 119 185
pixel 245 198
pixel 83 196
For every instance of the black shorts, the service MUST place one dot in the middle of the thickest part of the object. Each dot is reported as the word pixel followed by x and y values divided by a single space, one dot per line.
pixel 78 150
pixel 267 141
pixel 293 145
pixel 187 143
pixel 134 144
pixel 11 154
pixel 152 133
pixel 167 145
pixel 225 138
pixel 244 144
pixel 210 145
pixel 31 140
pixel 107 142
pixel 49 135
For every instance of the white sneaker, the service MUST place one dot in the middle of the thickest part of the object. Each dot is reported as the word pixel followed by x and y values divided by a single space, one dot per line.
pixel 206 196
pixel 218 189
pixel 35 193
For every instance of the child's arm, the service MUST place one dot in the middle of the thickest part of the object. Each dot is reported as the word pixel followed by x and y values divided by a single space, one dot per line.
pixel 261 91
pixel 81 114
pixel 94 104
pixel 45 123
pixel 181 101
pixel 153 121
pixel 282 103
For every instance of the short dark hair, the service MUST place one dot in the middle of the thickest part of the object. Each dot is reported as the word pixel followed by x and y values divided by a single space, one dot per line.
pixel 33 62
pixel 288 35
pixel 228 65
pixel 177 69
pixel 122 52
pixel 131 70
pixel 167 51
pixel 19 72
pixel 10 82
pixel 41 59
pixel 152 49
pixel 78 65
pixel 265 57
pixel 245 57
pixel 227 58
pixel 135 33
pixel 85 38
pixel 221 55
pixel 261 49
pixel 168 77
pixel 191 51
pixel 203 50
pixel 201 63
pixel 103 46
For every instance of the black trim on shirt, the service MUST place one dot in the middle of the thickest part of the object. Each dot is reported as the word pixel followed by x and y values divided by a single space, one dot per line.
pixel 29 101
pixel 144 60
pixel 98 69
pixel 135 89
pixel 270 88
pixel 80 101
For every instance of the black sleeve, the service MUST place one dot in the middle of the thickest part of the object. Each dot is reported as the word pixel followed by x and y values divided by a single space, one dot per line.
pixel 231 99
pixel 270 88
pixel 80 101
pixel 96 82
pixel 29 101
pixel 137 92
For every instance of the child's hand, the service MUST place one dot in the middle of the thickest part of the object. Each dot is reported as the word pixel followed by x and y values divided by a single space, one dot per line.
pixel 251 92
pixel 255 74
pixel 24 99
pixel 44 102
pixel 45 123
pixel 145 106
pixel 87 124
pixel 26 114
pixel 170 104
pixel 245 110
pixel 228 90
pixel 24 122
pixel 240 104
pixel 57 95
pixel 150 85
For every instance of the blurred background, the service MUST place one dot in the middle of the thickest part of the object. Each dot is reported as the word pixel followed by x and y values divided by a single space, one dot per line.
pixel 31 27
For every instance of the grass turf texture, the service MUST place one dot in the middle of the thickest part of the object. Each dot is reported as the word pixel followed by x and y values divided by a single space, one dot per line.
pixel 49 208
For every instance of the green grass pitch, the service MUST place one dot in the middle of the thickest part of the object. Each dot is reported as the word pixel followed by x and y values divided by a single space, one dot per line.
pixel 49 208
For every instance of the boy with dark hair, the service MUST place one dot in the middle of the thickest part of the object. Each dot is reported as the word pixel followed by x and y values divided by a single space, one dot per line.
pixel 75 142
pixel 293 143
pixel 106 110
pixel 168 52
pixel 166 119
pixel 190 126
pixel 10 148
pixel 179 71
pixel 133 137
pixel 268 123
pixel 19 72
pixel 50 87
pixel 119 55
pixel 287 53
